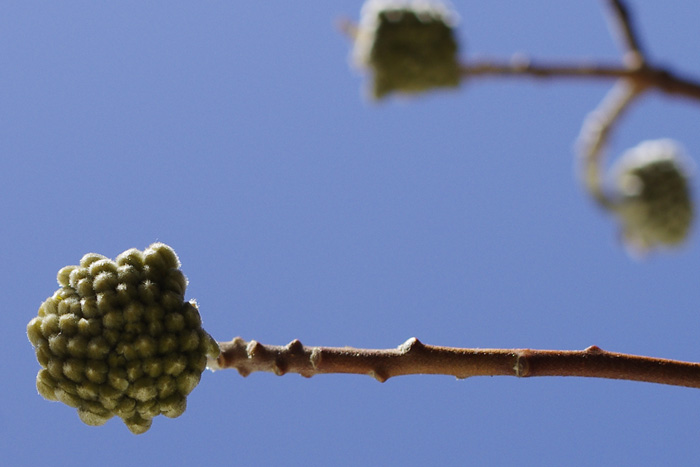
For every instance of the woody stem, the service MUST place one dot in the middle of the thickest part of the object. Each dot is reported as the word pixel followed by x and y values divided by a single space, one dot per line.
pixel 414 357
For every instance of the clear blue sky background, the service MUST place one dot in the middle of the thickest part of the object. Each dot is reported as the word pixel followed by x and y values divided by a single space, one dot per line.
pixel 237 133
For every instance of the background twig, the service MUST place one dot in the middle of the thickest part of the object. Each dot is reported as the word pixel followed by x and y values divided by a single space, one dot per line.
pixel 634 56
pixel 594 136
pixel 645 77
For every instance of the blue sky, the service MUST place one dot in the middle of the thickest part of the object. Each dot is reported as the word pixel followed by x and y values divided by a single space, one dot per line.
pixel 237 133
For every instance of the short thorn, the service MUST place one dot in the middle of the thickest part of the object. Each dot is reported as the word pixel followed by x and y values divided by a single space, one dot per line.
pixel 295 346
pixel 411 344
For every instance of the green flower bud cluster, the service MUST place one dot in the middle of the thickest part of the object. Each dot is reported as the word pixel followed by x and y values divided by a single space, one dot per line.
pixel 117 338
pixel 409 46
pixel 655 205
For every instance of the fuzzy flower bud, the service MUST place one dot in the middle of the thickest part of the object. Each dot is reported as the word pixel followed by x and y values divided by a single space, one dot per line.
pixel 655 204
pixel 106 342
pixel 408 45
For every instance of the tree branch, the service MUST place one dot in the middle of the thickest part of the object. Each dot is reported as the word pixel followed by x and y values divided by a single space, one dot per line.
pixel 414 357
pixel 645 77
pixel 634 56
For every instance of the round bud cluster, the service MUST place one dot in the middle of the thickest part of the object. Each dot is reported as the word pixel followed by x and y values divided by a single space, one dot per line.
pixel 117 338
pixel 408 45
pixel 655 205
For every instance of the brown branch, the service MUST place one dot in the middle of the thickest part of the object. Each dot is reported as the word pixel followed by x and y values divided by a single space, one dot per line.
pixel 414 357
pixel 645 77
pixel 622 23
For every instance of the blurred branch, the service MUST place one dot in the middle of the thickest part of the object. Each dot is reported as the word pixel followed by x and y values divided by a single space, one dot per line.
pixel 594 135
pixel 414 357
pixel 622 24
pixel 644 77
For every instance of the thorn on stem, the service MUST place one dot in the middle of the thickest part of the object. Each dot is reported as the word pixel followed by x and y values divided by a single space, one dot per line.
pixel 295 347
pixel 280 366
pixel 255 349
pixel 378 375
pixel 410 345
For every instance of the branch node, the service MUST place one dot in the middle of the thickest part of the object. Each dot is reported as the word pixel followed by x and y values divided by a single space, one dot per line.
pixel 315 358
pixel 522 364
pixel 378 375
pixel 295 347
pixel 594 349
pixel 255 349
pixel 279 367
pixel 410 345
pixel 238 342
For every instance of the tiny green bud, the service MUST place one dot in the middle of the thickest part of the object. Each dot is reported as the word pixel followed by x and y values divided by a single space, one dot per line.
pixel 91 418
pixel 78 274
pixel 90 258
pixel 49 325
pixel 148 408
pixel 187 381
pixel 85 288
pixel 67 398
pixel 138 425
pixel 34 331
pixel 46 385
pixel 68 324
pixel 167 344
pixel 126 408
pixel 89 307
pixel 113 319
pixel 96 371
pixel 134 370
pixel 149 292
pixel 106 302
pixel 77 346
pixel 97 268
pixel 88 391
pixel 117 379
pixel 174 364
pixel 145 346
pixel 174 322
pixel 143 389
pixel 189 340
pixel 153 367
pixel 167 385
pixel 58 343
pixel 105 281
pixel 74 369
pixel 63 276
pixel 173 406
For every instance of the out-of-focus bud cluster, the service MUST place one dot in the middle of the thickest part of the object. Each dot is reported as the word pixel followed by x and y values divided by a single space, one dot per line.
pixel 408 45
pixel 655 205
pixel 117 338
